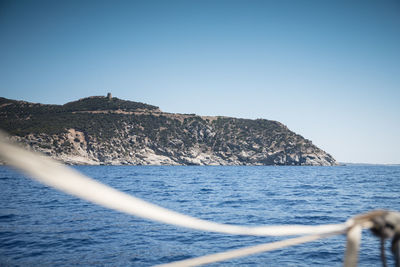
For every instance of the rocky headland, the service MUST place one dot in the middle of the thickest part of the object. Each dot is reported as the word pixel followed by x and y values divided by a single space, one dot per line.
pixel 109 131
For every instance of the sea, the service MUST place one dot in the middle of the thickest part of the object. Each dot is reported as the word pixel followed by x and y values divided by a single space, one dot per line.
pixel 40 226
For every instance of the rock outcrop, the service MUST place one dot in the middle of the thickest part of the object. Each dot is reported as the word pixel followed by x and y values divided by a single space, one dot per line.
pixel 100 130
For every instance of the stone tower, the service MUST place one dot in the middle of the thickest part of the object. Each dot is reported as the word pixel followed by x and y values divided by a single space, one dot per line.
pixel 109 96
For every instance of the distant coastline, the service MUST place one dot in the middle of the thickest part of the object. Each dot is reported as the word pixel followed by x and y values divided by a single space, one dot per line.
pixel 105 130
pixel 367 164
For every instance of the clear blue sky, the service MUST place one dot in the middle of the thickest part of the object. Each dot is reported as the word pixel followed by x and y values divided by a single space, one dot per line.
pixel 329 70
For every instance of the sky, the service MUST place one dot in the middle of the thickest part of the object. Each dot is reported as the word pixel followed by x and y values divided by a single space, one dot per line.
pixel 328 70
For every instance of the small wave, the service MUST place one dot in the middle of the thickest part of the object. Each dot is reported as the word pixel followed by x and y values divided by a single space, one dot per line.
pixel 172 258
pixel 7 217
pixel 205 190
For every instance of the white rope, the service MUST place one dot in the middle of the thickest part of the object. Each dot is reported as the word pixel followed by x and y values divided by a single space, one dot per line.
pixel 227 255
pixel 352 246
pixel 351 255
pixel 56 175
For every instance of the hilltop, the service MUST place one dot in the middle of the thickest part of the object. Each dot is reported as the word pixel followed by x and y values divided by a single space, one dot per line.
pixel 104 130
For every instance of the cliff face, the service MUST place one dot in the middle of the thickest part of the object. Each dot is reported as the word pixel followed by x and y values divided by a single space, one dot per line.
pixel 98 130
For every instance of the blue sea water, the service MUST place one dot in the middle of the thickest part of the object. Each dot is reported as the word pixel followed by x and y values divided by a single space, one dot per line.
pixel 43 227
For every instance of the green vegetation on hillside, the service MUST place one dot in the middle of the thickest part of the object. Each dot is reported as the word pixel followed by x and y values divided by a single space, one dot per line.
pixel 21 118
pixel 166 134
pixel 103 103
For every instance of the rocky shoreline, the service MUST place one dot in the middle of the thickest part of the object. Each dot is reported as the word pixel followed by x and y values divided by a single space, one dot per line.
pixel 110 131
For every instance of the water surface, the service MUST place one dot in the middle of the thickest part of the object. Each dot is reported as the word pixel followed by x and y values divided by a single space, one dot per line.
pixel 43 227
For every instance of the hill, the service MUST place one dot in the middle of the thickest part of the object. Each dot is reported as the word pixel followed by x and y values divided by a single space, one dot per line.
pixel 102 130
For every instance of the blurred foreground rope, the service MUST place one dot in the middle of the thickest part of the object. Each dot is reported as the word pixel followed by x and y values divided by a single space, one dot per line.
pixel 54 174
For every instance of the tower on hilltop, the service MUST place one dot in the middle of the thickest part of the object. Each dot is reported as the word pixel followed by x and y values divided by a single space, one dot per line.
pixel 109 96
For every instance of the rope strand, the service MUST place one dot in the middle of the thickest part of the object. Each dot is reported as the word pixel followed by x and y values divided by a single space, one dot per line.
pixel 227 255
